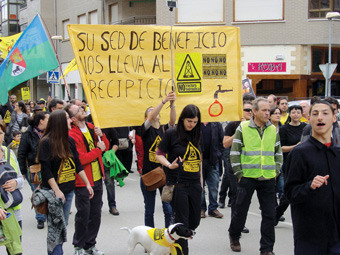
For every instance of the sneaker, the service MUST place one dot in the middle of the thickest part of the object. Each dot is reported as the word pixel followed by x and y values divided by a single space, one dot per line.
pixel 245 230
pixel 267 253
pixel 78 251
pixel 229 203
pixel 114 211
pixel 215 213
pixel 93 251
pixel 282 218
pixel 202 214
pixel 221 204
pixel 40 224
pixel 235 244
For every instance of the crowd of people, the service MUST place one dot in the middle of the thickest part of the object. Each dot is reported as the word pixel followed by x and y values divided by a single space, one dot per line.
pixel 289 155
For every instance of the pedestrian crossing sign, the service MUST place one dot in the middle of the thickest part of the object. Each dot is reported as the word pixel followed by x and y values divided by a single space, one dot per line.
pixel 53 77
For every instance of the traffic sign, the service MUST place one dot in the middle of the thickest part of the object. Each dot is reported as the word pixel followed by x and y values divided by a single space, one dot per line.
pixel 53 77
pixel 330 67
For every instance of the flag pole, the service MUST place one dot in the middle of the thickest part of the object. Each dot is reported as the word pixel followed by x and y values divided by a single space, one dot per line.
pixel 55 52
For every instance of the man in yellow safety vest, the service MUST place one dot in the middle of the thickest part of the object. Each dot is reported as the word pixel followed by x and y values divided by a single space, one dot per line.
pixel 256 158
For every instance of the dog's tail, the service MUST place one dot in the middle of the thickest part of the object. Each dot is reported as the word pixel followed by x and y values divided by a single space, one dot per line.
pixel 125 228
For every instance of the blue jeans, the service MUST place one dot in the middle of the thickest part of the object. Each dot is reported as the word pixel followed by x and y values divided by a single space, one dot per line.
pixel 149 207
pixel 110 188
pixel 38 216
pixel 211 178
pixel 58 250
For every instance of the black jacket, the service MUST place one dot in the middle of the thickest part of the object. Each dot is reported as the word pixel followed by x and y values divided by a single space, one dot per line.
pixel 28 149
pixel 315 213
pixel 216 147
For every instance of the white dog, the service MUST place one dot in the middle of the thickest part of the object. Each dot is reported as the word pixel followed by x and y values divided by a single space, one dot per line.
pixel 151 238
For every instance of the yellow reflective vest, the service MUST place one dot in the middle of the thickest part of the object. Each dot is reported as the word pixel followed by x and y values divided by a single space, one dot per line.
pixel 257 155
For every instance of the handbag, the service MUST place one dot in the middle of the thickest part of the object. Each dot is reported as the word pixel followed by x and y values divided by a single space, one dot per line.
pixel 34 175
pixel 167 193
pixel 40 208
pixel 154 179
pixel 123 143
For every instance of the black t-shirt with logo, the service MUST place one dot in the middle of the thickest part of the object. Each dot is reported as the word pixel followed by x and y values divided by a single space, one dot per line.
pixel 189 171
pixel 151 138
pixel 50 168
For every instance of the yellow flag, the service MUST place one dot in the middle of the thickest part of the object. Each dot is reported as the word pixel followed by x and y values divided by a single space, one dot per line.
pixel 6 44
pixel 72 66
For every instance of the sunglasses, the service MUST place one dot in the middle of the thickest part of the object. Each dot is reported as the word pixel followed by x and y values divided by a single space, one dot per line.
pixel 247 110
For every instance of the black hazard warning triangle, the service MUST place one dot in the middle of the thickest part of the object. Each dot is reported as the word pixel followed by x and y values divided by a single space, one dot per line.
pixel 188 71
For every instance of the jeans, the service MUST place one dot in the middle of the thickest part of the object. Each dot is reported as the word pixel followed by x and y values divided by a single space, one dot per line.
pixel 149 207
pixel 225 184
pixel 110 188
pixel 38 216
pixel 266 195
pixel 58 250
pixel 67 205
pixel 211 178
pixel 279 184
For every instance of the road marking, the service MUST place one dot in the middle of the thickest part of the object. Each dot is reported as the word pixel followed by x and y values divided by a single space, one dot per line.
pixel 259 215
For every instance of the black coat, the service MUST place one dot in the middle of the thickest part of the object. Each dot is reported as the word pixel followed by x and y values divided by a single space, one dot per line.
pixel 28 149
pixel 216 147
pixel 315 213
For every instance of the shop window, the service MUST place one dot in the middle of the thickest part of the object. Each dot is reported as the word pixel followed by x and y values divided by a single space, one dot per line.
pixel 319 8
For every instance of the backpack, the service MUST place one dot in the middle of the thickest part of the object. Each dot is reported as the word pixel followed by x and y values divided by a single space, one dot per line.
pixel 7 172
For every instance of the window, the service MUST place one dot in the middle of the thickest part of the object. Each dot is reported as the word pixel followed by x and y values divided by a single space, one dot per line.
pixel 93 17
pixel 320 56
pixel 260 10
pixel 82 19
pixel 65 32
pixel 113 13
pixel 319 8
pixel 200 11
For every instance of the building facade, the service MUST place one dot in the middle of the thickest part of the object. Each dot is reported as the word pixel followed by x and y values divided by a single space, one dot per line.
pixel 282 42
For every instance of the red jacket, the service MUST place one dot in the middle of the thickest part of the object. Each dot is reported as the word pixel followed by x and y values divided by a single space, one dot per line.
pixel 85 155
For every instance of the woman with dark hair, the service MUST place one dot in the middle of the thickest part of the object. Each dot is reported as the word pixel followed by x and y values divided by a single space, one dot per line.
pixel 275 117
pixel 19 120
pixel 290 135
pixel 27 152
pixel 152 133
pixel 59 160
pixel 183 168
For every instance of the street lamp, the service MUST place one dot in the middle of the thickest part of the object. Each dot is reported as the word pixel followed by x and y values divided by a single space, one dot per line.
pixel 330 16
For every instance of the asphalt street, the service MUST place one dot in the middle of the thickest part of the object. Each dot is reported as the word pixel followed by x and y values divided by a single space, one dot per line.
pixel 211 236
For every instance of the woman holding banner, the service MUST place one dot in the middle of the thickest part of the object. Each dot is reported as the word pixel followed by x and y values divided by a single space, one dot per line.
pixel 184 169
pixel 152 132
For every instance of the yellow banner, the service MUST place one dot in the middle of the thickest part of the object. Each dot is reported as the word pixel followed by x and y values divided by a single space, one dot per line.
pixel 125 69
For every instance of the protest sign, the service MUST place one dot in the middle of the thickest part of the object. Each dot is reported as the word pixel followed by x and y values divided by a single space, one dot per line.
pixel 125 69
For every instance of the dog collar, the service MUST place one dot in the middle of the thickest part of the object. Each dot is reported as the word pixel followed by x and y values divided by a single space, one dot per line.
pixel 173 239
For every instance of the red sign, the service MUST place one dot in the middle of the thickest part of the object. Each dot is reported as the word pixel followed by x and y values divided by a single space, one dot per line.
pixel 267 67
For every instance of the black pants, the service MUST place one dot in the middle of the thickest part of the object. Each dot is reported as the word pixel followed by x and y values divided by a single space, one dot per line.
pixel 266 195
pixel 186 204
pixel 88 216
pixel 282 207
pixel 312 248
pixel 125 156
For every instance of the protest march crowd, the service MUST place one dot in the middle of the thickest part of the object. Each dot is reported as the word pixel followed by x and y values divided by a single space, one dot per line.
pixel 289 155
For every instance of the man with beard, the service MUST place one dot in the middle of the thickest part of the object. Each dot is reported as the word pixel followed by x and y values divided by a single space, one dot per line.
pixel 90 143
